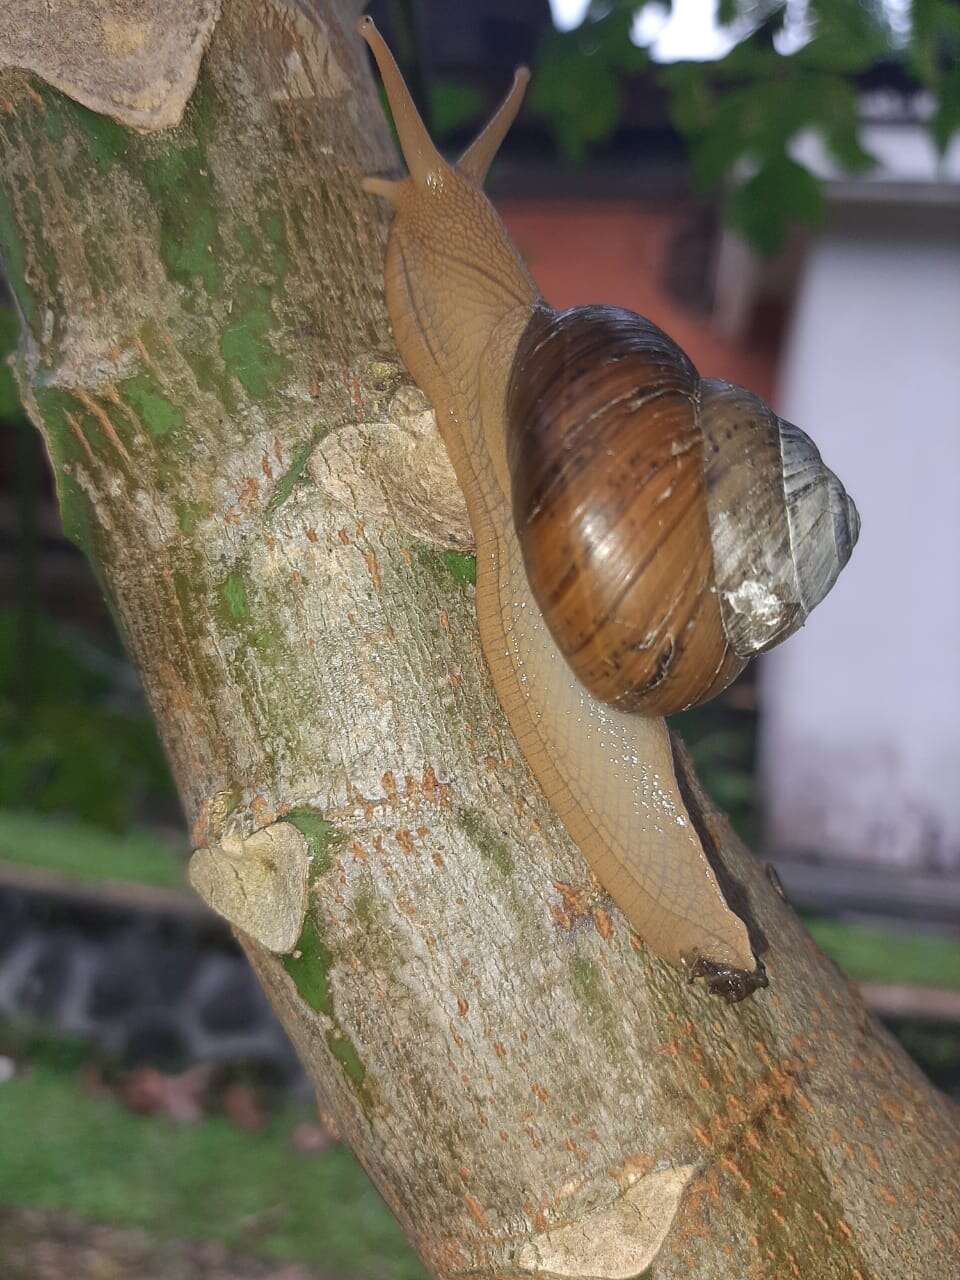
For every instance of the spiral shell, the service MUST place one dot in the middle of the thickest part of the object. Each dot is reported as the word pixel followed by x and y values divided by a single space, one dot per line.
pixel 671 526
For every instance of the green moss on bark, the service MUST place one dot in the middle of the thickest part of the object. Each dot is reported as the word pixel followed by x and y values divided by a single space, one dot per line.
pixel 322 836
pixel 290 478
pixel 310 967
pixel 463 569
pixel 233 596
pixel 490 846
pixel 66 453
pixel 246 352
pixel 106 140
pixel 157 412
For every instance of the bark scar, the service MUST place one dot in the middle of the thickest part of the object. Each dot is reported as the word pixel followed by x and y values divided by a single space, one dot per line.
pixel 134 60
pixel 614 1243
pixel 259 883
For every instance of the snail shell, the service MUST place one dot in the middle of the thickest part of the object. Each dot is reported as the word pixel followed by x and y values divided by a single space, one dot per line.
pixel 671 526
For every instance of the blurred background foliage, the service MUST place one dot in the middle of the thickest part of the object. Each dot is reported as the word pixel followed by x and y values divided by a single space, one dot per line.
pixel 740 114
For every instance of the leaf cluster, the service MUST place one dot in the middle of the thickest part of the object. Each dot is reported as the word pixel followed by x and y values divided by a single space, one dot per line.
pixel 580 75
pixel 741 114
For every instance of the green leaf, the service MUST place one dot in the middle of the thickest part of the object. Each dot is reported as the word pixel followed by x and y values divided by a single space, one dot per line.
pixel 779 193
pixel 727 12
pixel 614 45
pixel 691 99
pixel 849 36
pixel 934 45
pixel 719 139
pixel 579 96
pixel 779 110
pixel 577 82
pixel 750 105
pixel 832 49
pixel 840 127
pixel 946 117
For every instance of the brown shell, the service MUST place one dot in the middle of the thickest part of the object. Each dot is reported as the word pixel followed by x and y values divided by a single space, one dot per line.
pixel 671 527
pixel 606 464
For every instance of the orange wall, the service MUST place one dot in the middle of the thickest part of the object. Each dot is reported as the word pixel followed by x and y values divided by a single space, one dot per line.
pixel 614 252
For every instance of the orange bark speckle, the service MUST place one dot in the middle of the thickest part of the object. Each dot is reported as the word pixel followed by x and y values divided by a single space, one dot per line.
pixel 436 792
pixel 735 1172
pixel 573 904
pixel 263 811
pixel 632 1170
pixel 373 568
pixel 476 1211
pixel 603 923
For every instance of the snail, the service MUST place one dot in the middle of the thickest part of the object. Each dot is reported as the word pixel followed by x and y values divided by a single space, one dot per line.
pixel 640 531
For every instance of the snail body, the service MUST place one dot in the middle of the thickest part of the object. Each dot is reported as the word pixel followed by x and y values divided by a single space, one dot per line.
pixel 502 369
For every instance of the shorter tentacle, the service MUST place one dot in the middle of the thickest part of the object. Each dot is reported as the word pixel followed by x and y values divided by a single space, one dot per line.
pixel 478 157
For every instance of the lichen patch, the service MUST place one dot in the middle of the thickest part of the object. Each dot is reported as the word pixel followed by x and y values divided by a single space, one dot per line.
pixel 396 468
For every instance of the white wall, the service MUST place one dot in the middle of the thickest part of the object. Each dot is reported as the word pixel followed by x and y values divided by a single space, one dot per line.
pixel 860 745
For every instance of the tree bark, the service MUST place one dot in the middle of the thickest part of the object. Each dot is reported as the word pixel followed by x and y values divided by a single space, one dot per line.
pixel 239 452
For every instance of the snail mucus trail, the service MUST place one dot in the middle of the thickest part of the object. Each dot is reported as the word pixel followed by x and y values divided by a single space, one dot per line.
pixel 640 531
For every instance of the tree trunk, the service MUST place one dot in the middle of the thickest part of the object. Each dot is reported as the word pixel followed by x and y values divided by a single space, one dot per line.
pixel 237 449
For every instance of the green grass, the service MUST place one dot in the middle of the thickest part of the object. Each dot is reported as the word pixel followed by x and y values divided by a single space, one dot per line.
pixel 88 853
pixel 867 953
pixel 65 1150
